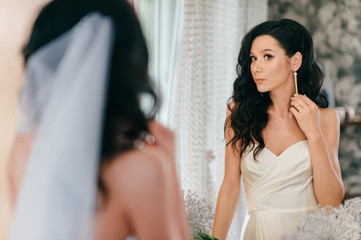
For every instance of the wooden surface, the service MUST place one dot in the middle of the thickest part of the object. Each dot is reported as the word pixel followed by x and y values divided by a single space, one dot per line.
pixel 356 121
pixel 16 18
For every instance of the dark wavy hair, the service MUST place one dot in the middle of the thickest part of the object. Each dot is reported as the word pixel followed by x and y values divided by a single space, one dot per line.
pixel 123 120
pixel 249 114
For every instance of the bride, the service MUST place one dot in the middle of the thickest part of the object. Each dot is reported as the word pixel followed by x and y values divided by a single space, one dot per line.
pixel 89 161
pixel 280 135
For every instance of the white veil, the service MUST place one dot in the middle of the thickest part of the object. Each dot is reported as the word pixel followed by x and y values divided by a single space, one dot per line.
pixel 62 102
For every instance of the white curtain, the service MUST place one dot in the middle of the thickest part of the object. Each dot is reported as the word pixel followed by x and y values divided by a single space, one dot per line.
pixel 211 39
pixel 162 25
pixel 194 46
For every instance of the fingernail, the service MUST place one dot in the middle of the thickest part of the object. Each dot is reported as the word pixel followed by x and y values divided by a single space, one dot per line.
pixel 295 94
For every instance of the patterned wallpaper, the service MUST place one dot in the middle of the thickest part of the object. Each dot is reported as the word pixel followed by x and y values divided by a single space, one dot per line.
pixel 335 26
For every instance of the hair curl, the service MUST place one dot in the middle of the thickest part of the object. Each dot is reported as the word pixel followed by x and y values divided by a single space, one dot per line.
pixel 249 114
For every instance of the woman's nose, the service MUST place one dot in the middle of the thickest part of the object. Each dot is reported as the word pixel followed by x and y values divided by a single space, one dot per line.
pixel 256 66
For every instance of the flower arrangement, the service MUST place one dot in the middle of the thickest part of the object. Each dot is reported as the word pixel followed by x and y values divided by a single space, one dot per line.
pixel 341 223
pixel 199 215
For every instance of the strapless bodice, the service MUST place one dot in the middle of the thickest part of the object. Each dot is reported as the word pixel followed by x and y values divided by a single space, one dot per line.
pixel 279 190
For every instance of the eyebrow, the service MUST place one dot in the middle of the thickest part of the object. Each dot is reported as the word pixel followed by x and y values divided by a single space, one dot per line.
pixel 264 50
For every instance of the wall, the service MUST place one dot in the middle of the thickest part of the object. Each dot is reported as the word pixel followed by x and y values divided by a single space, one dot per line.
pixel 336 30
pixel 16 17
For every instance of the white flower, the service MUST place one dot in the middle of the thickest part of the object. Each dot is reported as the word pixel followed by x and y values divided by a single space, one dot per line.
pixel 342 223
pixel 199 213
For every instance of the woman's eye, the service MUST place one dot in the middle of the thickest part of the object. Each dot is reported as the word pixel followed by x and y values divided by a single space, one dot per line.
pixel 253 58
pixel 268 57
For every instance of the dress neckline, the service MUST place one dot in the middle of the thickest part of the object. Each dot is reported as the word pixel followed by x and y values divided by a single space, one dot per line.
pixel 285 150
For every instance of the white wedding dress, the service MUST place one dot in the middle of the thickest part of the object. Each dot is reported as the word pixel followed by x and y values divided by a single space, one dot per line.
pixel 279 191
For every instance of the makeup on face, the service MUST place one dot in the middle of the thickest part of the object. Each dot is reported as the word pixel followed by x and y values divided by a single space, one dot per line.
pixel 270 66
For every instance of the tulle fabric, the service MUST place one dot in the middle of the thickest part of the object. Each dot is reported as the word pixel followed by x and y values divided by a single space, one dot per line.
pixel 62 102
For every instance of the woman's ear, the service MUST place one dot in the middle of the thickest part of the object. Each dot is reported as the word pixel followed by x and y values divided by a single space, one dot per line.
pixel 296 61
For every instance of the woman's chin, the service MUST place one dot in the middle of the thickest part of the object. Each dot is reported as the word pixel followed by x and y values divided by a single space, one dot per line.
pixel 262 90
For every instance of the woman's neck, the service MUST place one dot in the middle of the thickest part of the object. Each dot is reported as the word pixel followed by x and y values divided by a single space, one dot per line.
pixel 281 102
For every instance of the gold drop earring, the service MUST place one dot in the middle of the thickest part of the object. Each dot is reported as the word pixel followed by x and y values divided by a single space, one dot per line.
pixel 295 76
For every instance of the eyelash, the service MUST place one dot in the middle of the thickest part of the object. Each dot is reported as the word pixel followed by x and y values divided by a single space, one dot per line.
pixel 267 57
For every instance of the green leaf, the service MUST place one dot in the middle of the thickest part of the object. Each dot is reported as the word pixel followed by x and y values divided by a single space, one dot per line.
pixel 204 236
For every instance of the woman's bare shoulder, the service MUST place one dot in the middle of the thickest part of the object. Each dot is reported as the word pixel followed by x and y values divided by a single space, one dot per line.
pixel 330 122
pixel 139 184
pixel 132 175
pixel 230 105
pixel 134 169
pixel 329 117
